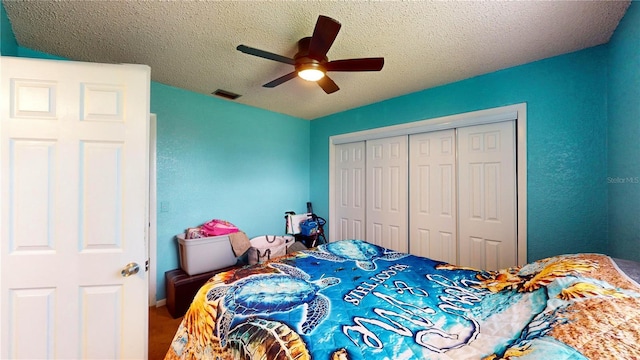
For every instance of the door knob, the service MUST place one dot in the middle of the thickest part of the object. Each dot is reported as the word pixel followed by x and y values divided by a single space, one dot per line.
pixel 130 269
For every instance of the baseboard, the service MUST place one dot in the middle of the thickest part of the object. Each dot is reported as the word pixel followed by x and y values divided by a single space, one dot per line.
pixel 161 302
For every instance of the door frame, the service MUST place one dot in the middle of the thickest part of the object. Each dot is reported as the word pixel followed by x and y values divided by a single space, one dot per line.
pixel 516 112
pixel 153 236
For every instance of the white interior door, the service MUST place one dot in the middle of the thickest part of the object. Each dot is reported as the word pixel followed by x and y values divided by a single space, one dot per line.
pixel 487 196
pixel 350 191
pixel 387 192
pixel 432 203
pixel 73 190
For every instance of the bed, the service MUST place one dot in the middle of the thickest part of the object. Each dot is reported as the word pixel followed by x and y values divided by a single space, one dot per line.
pixel 354 300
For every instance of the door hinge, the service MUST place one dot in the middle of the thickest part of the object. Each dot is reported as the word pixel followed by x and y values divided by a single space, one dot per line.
pixel 146 265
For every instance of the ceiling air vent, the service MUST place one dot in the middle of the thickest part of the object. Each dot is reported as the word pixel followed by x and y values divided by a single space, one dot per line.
pixel 225 94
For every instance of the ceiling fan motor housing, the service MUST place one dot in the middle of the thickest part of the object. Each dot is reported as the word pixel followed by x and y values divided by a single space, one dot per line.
pixel 304 61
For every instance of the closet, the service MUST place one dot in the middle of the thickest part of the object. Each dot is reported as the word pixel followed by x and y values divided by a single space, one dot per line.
pixel 448 194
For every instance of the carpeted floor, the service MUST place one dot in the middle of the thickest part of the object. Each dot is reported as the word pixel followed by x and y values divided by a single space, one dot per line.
pixel 162 328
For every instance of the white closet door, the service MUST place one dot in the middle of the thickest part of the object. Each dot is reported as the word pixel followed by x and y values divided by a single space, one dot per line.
pixel 350 191
pixel 487 195
pixel 432 203
pixel 387 192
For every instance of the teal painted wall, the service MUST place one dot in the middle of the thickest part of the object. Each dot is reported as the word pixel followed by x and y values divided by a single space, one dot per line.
pixel 566 118
pixel 8 44
pixel 219 159
pixel 624 137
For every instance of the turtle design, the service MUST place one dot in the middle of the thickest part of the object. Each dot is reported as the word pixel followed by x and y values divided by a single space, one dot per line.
pixel 266 339
pixel 363 253
pixel 270 293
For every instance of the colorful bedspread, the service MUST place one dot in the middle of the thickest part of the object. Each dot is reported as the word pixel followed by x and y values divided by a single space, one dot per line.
pixel 354 300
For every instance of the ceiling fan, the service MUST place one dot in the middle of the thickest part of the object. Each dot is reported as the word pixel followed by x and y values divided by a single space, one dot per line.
pixel 311 61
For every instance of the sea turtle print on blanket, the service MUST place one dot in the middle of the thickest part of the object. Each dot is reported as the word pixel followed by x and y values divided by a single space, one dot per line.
pixel 309 305
pixel 266 339
pixel 362 253
pixel 274 293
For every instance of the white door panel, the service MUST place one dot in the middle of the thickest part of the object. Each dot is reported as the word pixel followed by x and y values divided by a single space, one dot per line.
pixel 487 193
pixel 387 192
pixel 350 193
pixel 488 201
pixel 73 185
pixel 433 203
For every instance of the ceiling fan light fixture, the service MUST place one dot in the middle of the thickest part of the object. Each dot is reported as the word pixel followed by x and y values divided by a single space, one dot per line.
pixel 311 74
pixel 311 71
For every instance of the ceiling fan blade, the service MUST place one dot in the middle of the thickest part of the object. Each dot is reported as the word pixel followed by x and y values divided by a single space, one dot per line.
pixel 281 80
pixel 364 64
pixel 323 36
pixel 265 54
pixel 328 85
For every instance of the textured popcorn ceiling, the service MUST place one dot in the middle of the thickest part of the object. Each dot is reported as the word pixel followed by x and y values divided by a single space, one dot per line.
pixel 192 45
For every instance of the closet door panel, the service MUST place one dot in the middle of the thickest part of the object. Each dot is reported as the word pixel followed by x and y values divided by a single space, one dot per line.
pixel 350 190
pixel 487 193
pixel 387 192
pixel 432 200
